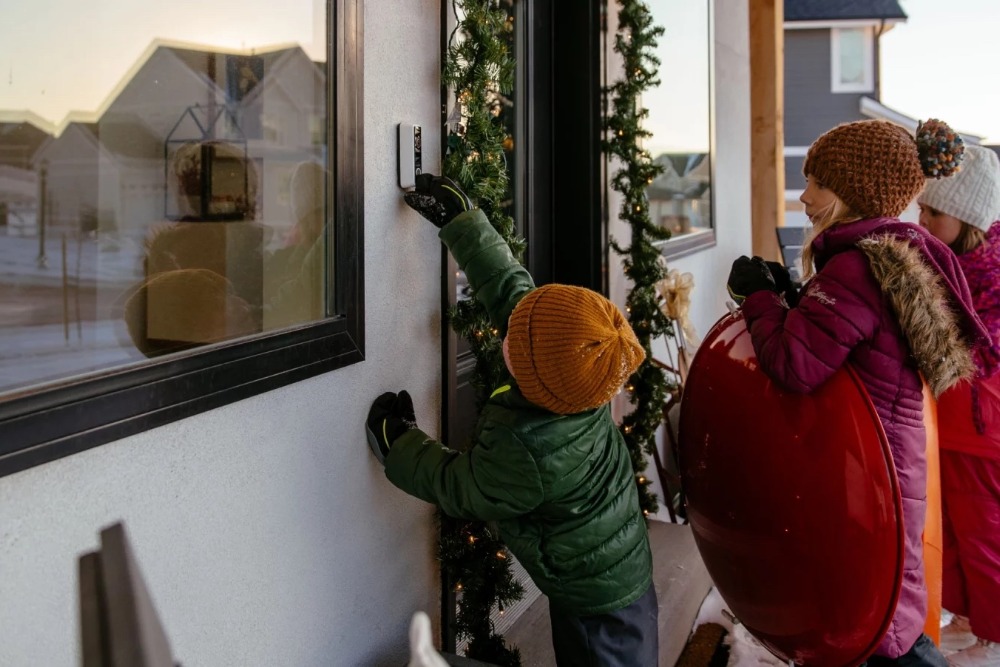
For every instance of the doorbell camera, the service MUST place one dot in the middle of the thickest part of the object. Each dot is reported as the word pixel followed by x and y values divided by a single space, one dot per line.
pixel 408 142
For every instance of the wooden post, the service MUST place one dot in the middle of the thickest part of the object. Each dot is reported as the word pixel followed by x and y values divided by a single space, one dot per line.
pixel 767 138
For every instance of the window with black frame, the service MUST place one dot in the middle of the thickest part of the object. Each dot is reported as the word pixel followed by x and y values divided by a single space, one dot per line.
pixel 680 120
pixel 168 207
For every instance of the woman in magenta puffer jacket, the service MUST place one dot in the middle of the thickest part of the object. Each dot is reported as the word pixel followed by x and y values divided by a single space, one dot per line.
pixel 963 212
pixel 886 297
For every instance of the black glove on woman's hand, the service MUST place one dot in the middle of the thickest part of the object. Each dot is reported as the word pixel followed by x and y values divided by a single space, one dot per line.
pixel 390 416
pixel 783 282
pixel 437 198
pixel 748 276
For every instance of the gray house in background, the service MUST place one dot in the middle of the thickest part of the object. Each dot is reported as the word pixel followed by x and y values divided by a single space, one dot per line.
pixel 832 58
pixel 831 75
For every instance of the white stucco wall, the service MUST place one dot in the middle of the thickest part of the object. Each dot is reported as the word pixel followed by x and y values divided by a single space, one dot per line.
pixel 265 529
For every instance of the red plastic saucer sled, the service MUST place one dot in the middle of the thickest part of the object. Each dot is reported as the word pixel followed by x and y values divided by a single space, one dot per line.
pixel 793 502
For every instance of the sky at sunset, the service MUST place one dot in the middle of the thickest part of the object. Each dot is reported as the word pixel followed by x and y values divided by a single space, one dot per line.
pixel 943 62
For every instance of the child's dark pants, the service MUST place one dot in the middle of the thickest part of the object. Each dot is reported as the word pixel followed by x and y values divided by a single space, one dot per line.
pixel 627 637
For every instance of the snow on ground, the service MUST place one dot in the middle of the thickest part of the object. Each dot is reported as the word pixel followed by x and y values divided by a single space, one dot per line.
pixel 744 650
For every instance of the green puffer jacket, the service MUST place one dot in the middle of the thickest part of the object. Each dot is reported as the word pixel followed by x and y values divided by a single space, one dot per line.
pixel 560 487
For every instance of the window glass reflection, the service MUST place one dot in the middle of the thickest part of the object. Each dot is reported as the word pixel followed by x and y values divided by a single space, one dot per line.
pixel 679 120
pixel 163 180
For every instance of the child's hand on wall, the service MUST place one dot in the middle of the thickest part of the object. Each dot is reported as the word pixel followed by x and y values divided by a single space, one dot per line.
pixel 390 416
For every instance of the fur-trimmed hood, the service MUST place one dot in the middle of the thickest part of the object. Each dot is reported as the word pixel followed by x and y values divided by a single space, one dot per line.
pixel 921 304
pixel 926 287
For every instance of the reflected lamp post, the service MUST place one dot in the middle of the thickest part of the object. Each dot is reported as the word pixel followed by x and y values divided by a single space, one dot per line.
pixel 43 170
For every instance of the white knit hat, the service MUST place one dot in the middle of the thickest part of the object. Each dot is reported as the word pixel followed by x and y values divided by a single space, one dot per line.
pixel 973 194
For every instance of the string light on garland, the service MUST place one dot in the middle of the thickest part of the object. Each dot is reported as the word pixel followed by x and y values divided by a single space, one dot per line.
pixel 635 42
pixel 480 70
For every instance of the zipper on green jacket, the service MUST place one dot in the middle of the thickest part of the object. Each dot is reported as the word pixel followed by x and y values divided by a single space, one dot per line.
pixel 499 390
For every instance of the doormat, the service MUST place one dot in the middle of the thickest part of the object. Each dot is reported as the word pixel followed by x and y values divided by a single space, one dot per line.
pixel 705 648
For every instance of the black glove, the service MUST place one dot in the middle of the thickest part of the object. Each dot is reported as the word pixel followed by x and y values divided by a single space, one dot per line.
pixel 748 276
pixel 783 282
pixel 437 198
pixel 390 416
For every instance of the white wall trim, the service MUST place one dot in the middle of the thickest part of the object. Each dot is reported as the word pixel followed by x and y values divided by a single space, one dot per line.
pixel 793 194
pixel 796 151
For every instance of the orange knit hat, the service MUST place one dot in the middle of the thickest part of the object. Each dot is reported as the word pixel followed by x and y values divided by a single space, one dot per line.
pixel 877 168
pixel 570 349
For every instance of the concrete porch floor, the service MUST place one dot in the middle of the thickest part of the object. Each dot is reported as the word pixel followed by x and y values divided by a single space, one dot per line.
pixel 681 586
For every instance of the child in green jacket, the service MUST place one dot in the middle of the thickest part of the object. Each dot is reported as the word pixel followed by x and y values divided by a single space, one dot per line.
pixel 548 464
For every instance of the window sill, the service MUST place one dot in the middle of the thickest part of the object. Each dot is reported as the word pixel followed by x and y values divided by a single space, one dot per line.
pixel 688 244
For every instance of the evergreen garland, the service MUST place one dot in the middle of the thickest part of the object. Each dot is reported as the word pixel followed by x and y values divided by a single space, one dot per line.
pixel 480 70
pixel 635 41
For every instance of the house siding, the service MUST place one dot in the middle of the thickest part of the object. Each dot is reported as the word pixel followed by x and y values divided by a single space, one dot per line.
pixel 794 178
pixel 811 108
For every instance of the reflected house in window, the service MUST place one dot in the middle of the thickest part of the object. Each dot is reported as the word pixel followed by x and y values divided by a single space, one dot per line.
pixel 111 167
pixel 680 198
pixel 20 139
pixel 97 173
pixel 108 196
pixel 680 123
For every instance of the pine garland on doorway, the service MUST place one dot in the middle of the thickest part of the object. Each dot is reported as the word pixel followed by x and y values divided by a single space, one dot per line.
pixel 479 70
pixel 635 41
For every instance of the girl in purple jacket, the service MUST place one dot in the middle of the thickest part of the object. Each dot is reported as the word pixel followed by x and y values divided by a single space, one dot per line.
pixel 886 297
pixel 962 212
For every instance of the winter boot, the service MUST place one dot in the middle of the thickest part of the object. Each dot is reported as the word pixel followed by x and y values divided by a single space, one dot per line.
pixel 983 654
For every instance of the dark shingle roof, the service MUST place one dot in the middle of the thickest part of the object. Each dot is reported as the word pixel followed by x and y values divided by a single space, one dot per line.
pixel 838 10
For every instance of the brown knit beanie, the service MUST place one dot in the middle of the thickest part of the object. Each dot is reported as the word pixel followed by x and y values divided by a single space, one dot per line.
pixel 570 348
pixel 877 168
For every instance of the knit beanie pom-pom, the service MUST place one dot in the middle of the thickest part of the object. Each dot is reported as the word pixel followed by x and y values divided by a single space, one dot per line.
pixel 940 149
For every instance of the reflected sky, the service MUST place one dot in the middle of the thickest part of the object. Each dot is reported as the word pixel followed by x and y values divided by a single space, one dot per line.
pixel 678 108
pixel 934 64
pixel 60 56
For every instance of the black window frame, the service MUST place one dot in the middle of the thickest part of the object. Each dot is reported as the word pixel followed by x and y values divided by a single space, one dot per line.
pixel 40 426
